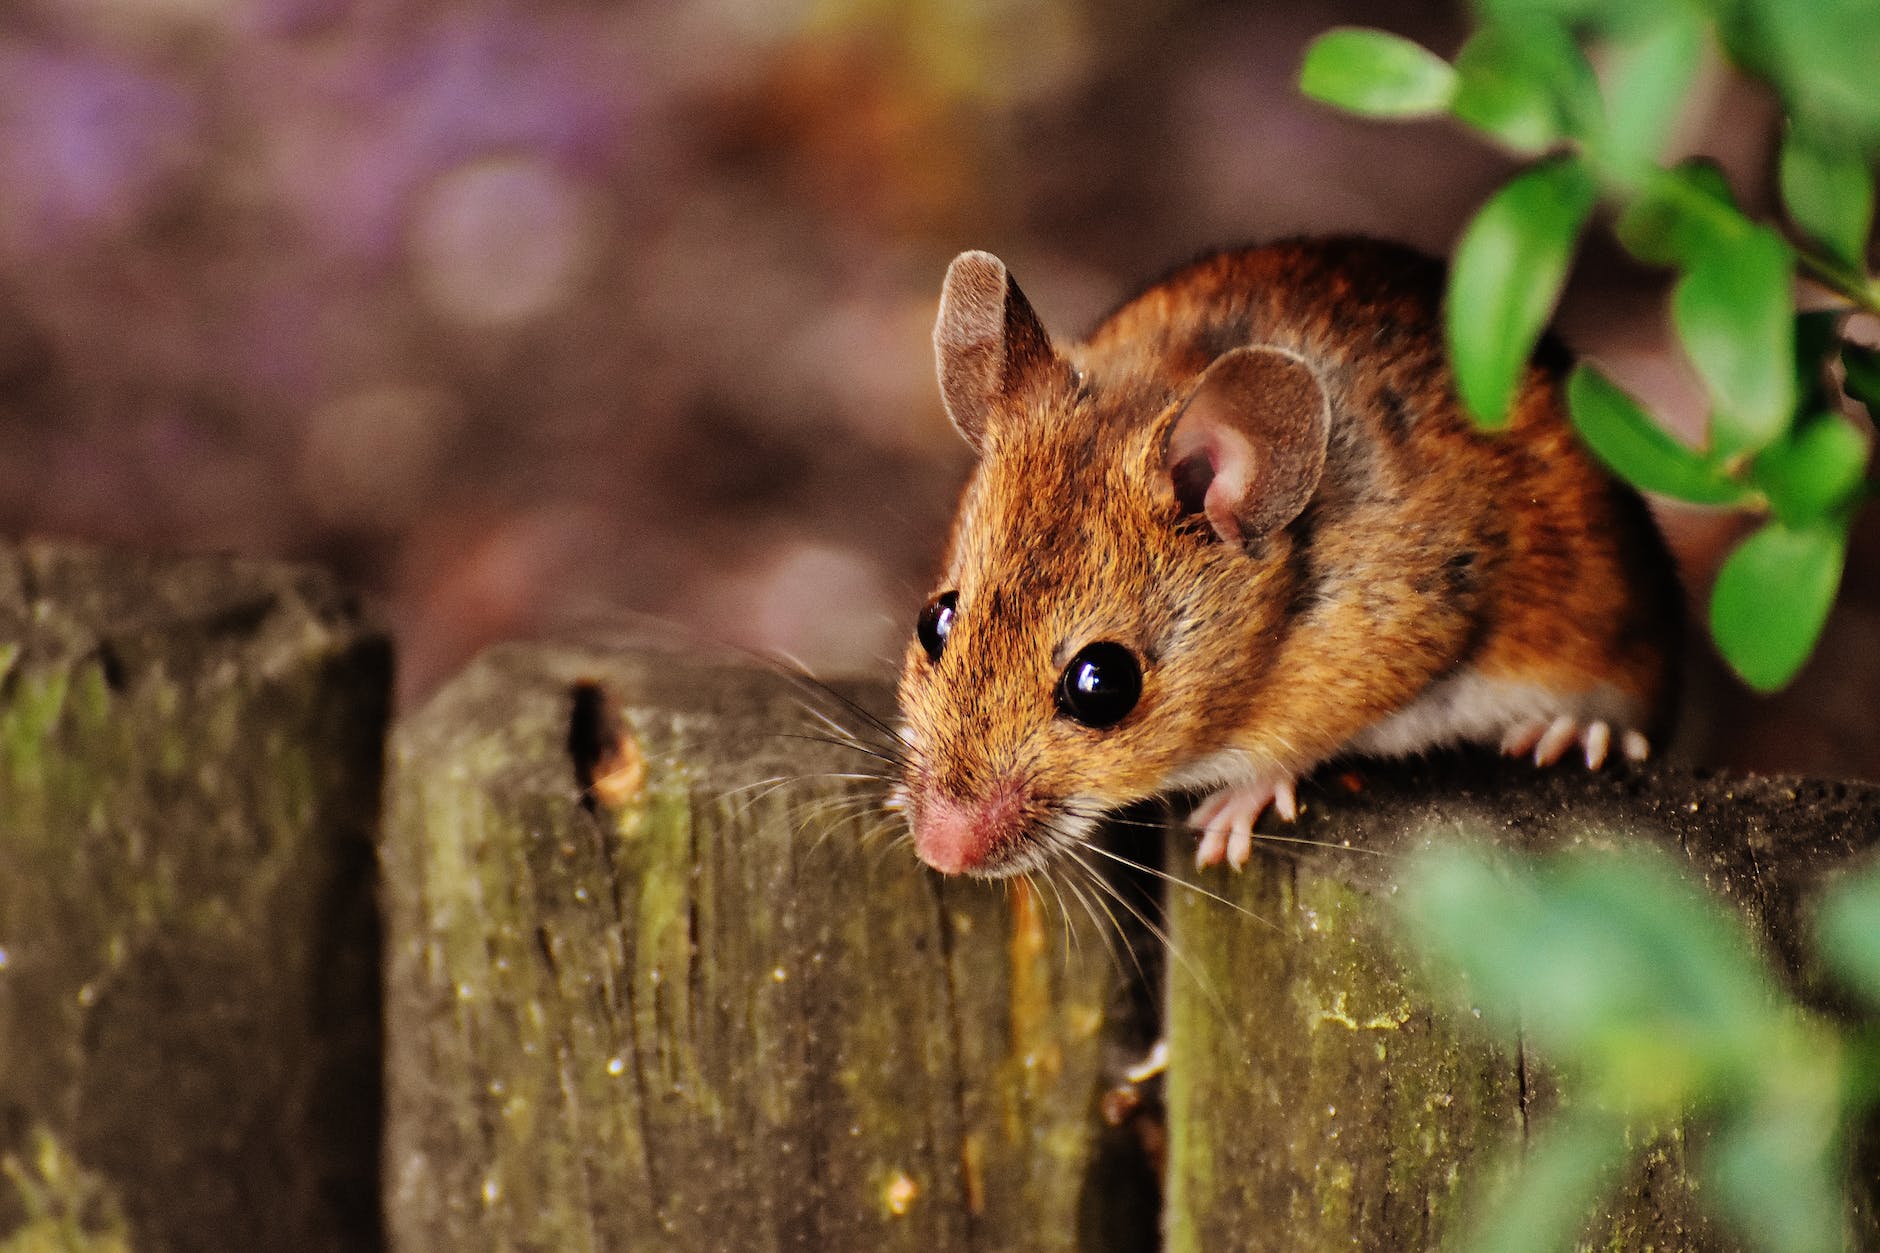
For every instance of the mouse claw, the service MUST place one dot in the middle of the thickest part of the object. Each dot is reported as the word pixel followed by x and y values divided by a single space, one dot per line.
pixel 1561 732
pixel 1286 801
pixel 1547 741
pixel 1213 847
pixel 1240 840
pixel 1226 820
pixel 1596 740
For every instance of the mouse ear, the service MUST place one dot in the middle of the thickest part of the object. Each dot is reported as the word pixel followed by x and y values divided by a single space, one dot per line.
pixel 987 341
pixel 1248 448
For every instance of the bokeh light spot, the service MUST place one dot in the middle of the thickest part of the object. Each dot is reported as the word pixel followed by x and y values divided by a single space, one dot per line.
pixel 502 240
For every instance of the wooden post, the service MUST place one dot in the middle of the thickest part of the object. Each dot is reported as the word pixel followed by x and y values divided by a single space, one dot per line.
pixel 190 757
pixel 1316 1099
pixel 703 1009
pixel 655 979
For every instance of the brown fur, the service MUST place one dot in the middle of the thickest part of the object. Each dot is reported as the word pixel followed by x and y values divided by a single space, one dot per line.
pixel 1427 547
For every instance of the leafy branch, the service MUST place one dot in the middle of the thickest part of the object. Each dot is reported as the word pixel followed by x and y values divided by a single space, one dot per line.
pixel 1781 442
pixel 1652 1000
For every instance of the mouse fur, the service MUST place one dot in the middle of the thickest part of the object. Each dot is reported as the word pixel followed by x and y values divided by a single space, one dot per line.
pixel 1344 563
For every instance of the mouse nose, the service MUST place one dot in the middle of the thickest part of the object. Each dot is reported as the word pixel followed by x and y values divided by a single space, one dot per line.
pixel 962 837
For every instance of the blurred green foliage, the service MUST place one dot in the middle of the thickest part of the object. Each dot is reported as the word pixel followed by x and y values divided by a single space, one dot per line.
pixel 1779 443
pixel 67 1208
pixel 1647 994
pixel 1653 1003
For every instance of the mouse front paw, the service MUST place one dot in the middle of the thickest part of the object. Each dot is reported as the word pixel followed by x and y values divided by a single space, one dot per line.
pixel 1548 741
pixel 1225 819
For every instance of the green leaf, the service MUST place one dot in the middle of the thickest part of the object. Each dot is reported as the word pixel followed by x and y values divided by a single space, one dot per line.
pixel 1509 268
pixel 1605 17
pixel 1772 597
pixel 1474 916
pixel 1648 78
pixel 1527 84
pixel 1862 365
pixel 1847 931
pixel 1614 964
pixel 1819 56
pixel 1776 1173
pixel 1376 74
pixel 1828 190
pixel 1734 312
pixel 1547 1203
pixel 1681 214
pixel 1637 449
pixel 1699 987
pixel 1814 470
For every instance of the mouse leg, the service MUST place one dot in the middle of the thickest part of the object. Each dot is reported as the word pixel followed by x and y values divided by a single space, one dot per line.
pixel 1548 740
pixel 1225 819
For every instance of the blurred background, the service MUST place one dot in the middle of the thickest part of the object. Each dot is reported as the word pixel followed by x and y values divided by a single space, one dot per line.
pixel 523 316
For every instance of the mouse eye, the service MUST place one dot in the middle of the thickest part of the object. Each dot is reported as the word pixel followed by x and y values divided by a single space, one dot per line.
pixel 1101 685
pixel 936 623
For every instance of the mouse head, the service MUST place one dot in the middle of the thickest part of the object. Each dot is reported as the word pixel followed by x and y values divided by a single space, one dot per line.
pixel 1115 583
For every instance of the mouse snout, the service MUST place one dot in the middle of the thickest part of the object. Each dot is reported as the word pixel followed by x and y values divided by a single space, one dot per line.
pixel 957 836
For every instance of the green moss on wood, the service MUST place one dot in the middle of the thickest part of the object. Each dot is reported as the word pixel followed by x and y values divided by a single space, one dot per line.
pixel 66 1208
pixel 189 767
pixel 716 1015
pixel 1320 1098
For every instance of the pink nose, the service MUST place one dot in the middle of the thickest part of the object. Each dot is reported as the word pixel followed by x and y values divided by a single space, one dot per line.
pixel 958 837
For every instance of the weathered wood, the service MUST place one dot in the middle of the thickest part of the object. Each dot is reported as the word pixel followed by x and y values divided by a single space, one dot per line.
pixel 190 757
pixel 710 1013
pixel 690 1009
pixel 1316 1099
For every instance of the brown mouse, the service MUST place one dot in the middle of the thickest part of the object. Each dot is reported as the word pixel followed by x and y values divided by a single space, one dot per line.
pixel 1245 527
